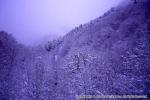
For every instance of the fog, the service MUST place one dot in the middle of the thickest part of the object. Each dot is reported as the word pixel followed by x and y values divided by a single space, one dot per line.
pixel 32 20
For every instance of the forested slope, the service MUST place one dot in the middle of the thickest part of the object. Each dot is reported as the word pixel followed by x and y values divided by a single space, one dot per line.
pixel 107 56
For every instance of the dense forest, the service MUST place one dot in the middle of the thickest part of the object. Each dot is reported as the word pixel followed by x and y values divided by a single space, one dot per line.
pixel 107 56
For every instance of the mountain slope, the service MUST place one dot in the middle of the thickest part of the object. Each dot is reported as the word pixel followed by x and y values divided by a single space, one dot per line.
pixel 109 55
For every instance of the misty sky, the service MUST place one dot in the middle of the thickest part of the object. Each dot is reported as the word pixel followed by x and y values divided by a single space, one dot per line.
pixel 30 20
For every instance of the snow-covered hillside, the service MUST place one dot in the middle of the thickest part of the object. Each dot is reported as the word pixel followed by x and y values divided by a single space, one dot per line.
pixel 107 56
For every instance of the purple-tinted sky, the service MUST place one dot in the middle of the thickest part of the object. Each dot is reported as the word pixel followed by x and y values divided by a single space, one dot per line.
pixel 30 20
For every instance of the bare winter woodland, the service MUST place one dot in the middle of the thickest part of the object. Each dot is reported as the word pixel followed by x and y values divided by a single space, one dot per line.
pixel 107 56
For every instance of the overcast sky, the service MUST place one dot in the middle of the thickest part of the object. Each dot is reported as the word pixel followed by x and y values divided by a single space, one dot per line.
pixel 30 20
